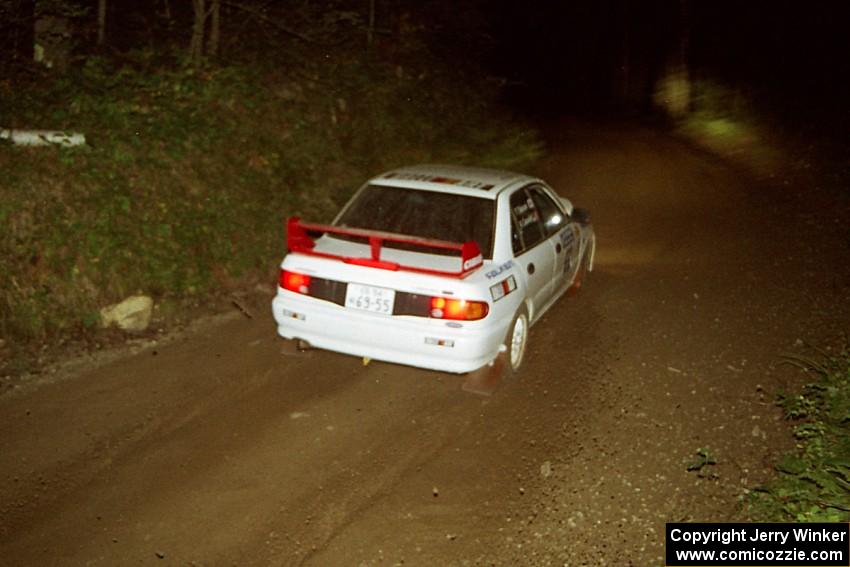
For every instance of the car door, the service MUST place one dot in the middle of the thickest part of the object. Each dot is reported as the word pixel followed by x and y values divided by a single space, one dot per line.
pixel 561 232
pixel 533 250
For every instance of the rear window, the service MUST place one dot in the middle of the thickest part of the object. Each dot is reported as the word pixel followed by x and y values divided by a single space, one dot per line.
pixel 426 214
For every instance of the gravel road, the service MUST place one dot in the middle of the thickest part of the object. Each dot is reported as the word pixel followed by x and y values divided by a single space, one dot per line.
pixel 213 449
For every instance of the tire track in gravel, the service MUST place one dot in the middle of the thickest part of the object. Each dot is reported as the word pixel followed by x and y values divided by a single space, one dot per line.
pixel 257 447
pixel 485 473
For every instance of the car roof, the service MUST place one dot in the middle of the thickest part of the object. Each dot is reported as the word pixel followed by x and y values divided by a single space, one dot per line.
pixel 463 180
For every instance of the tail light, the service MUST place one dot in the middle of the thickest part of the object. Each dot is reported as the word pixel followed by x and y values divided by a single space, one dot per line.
pixel 458 309
pixel 293 281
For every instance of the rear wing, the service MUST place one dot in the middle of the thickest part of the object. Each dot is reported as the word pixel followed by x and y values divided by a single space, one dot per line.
pixel 299 240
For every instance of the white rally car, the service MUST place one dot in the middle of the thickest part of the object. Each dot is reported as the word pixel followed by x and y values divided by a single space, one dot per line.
pixel 440 267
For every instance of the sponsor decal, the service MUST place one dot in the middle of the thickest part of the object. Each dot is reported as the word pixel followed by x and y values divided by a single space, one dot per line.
pixel 503 288
pixel 526 213
pixel 473 262
pixel 568 242
pixel 428 178
pixel 495 272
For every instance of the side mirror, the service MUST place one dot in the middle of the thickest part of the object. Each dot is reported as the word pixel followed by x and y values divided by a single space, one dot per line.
pixel 581 216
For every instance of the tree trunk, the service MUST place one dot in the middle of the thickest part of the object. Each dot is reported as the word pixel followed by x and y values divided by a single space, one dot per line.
pixel 371 29
pixel 626 58
pixel 17 17
pixel 673 91
pixel 215 28
pixel 101 22
pixel 196 46
pixel 684 50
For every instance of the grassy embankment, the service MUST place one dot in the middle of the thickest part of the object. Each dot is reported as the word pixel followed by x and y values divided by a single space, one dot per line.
pixel 813 483
pixel 187 177
pixel 773 137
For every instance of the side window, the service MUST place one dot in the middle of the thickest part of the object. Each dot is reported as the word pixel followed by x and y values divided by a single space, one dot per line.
pixel 525 226
pixel 552 216
pixel 516 241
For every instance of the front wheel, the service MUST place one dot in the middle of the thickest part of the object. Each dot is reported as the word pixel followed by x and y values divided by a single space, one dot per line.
pixel 578 280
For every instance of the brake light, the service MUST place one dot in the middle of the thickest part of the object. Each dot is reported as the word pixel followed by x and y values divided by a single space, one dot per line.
pixel 293 281
pixel 458 309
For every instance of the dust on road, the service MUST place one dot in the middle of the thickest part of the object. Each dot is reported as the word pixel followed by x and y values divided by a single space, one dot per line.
pixel 214 449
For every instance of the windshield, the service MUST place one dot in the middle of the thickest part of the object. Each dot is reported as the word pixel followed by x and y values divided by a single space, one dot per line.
pixel 426 214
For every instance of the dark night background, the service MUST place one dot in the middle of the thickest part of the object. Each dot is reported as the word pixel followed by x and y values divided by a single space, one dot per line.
pixel 565 56
pixel 608 54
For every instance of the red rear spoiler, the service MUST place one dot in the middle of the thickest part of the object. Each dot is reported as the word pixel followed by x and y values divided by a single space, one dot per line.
pixel 298 240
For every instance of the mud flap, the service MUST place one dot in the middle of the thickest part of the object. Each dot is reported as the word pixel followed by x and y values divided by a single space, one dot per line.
pixel 486 380
pixel 294 347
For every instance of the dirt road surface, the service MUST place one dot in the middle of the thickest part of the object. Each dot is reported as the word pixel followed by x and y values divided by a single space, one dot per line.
pixel 214 449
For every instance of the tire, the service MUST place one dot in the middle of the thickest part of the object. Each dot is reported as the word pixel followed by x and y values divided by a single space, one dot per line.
pixel 516 343
pixel 294 347
pixel 578 281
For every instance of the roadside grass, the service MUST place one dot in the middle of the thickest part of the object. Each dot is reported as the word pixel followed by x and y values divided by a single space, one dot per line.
pixel 813 482
pixel 727 122
pixel 187 177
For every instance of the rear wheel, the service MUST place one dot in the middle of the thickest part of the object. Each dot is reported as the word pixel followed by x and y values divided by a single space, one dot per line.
pixel 486 380
pixel 294 347
pixel 516 342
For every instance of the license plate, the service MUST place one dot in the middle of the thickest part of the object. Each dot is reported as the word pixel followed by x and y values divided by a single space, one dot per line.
pixel 370 298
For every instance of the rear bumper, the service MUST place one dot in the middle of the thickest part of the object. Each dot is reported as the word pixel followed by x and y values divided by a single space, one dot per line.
pixel 397 339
